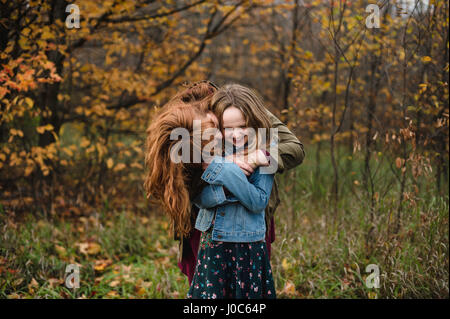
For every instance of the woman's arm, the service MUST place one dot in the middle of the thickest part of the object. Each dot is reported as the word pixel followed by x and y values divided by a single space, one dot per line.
pixel 253 193
pixel 290 149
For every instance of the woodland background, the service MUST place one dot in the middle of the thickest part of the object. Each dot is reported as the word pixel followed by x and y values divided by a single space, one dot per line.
pixel 369 104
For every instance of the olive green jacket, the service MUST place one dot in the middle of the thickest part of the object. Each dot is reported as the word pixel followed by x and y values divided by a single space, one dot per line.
pixel 290 154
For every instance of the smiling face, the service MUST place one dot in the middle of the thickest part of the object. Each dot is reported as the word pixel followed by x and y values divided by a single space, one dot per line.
pixel 235 126
pixel 241 114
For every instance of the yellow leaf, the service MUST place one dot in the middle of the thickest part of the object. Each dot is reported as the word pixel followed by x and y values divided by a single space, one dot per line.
pixel 119 167
pixel 89 248
pixel 110 162
pixel 46 34
pixel 112 294
pixel 372 295
pixel 61 251
pixel 85 142
pixel 100 265
pixel 43 128
pixel 23 42
pixel 93 248
pixel 68 151
pixel 426 59
pixel 16 132
pixel 285 264
pixel 29 102
pixel 141 291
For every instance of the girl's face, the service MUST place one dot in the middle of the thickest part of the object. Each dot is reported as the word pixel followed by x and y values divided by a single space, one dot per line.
pixel 235 127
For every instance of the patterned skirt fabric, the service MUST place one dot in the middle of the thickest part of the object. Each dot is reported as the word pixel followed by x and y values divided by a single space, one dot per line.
pixel 232 270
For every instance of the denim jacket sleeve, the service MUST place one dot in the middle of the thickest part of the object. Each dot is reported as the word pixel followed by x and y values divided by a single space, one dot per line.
pixel 253 193
pixel 210 196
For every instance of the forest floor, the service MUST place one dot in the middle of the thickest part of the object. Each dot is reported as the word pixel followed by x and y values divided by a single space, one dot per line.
pixel 316 254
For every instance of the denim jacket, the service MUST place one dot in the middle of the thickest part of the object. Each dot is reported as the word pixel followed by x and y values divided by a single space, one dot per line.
pixel 239 217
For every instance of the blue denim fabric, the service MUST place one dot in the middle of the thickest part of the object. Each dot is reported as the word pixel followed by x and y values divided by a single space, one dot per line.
pixel 239 217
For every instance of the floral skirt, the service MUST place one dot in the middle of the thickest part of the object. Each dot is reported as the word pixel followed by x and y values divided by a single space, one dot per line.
pixel 232 270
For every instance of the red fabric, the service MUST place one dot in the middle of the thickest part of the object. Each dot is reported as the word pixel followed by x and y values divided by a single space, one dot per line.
pixel 190 250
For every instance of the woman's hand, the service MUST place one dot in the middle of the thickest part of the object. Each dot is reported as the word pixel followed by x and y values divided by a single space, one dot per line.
pixel 246 167
pixel 258 158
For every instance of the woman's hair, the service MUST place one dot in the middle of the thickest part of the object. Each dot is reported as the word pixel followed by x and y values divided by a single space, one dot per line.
pixel 248 102
pixel 201 92
pixel 166 181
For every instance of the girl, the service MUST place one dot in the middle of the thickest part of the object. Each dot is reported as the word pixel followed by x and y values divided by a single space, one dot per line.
pixel 232 260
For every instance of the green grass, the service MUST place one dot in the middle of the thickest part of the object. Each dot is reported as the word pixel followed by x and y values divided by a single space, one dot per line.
pixel 325 255
pixel 139 260
pixel 317 254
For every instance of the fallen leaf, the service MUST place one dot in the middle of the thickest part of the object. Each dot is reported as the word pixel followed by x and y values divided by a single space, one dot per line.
pixel 372 295
pixel 54 282
pixel 285 264
pixel 17 282
pixel 101 264
pixel 89 248
pixel 112 293
pixel 141 291
pixel 33 283
pixel 289 288
pixel 62 252
pixel 98 279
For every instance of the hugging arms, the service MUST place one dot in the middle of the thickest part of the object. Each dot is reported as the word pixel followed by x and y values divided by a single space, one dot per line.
pixel 222 174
